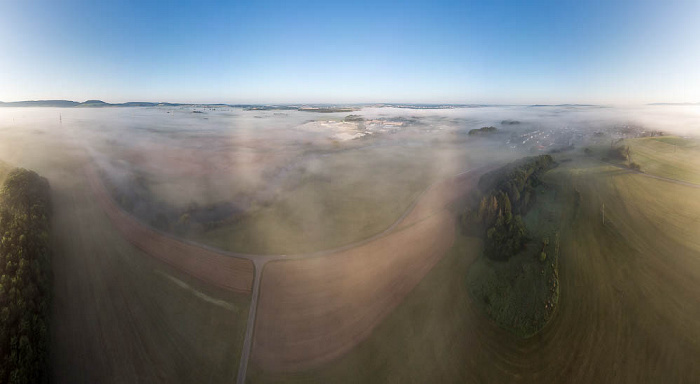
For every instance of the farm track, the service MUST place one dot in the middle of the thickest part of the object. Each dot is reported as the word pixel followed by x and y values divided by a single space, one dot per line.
pixel 116 315
pixel 618 320
pixel 232 273
pixel 412 245
pixel 314 309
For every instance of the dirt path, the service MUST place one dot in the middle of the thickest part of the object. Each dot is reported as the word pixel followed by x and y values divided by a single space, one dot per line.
pixel 411 245
pixel 216 268
pixel 314 309
pixel 117 315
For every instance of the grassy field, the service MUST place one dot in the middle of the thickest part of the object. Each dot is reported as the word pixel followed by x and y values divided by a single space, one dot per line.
pixel 118 315
pixel 348 197
pixel 420 341
pixel 629 309
pixel 121 316
pixel 668 156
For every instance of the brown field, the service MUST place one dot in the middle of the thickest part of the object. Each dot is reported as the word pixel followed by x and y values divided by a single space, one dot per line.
pixel 211 267
pixel 316 309
pixel 132 304
pixel 120 316
pixel 629 310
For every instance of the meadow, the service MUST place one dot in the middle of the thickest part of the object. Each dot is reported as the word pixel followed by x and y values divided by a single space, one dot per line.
pixel 377 286
pixel 628 288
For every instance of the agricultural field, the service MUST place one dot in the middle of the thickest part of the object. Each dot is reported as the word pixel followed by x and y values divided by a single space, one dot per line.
pixel 261 246
pixel 119 314
pixel 668 156
pixel 282 192
pixel 634 274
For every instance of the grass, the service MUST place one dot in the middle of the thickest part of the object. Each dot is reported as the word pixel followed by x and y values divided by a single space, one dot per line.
pixel 419 341
pixel 628 307
pixel 136 318
pixel 349 197
pixel 668 156
pixel 4 170
pixel 119 315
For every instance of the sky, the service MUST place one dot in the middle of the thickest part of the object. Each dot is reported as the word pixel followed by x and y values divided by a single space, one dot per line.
pixel 492 52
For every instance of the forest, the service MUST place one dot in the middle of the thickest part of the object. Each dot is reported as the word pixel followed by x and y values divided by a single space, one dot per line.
pixel 25 278
pixel 508 194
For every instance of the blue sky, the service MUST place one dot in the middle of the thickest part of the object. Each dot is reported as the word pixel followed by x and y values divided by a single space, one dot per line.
pixel 586 51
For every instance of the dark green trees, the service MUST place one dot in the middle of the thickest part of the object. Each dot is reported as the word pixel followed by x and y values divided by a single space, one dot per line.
pixel 510 194
pixel 24 278
pixel 482 131
pixel 507 236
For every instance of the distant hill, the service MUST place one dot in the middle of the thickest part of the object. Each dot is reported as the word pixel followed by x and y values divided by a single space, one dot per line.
pixel 565 105
pixel 41 103
pixel 673 104
pixel 88 104
pixel 94 103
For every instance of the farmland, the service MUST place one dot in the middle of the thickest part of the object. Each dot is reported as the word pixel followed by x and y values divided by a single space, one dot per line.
pixel 617 280
pixel 355 248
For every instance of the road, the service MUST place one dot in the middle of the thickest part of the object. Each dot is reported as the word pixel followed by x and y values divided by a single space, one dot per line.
pixel 187 255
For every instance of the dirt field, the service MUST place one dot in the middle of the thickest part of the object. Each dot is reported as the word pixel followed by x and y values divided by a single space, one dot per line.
pixel 211 267
pixel 121 316
pixel 313 310
pixel 629 310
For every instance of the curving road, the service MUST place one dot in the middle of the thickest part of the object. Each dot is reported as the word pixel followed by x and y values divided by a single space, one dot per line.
pixel 244 272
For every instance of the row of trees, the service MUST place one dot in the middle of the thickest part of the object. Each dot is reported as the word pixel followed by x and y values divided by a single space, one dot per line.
pixel 25 210
pixel 482 131
pixel 623 153
pixel 510 193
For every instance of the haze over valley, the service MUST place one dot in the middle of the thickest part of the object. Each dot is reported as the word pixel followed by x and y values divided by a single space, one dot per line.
pixel 322 192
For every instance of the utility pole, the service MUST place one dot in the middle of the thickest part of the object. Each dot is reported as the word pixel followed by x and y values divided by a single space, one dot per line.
pixel 603 211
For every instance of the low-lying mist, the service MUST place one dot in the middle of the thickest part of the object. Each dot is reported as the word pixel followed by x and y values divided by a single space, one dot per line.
pixel 287 180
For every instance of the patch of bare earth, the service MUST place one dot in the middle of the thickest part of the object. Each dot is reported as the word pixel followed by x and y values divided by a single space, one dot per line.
pixel 313 310
pixel 220 270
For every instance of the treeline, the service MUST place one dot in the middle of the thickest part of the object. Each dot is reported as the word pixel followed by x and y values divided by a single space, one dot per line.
pixel 508 193
pixel 622 153
pixel 25 278
pixel 134 196
pixel 482 131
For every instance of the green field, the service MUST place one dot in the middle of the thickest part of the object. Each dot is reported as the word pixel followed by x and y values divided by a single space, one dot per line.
pixel 348 197
pixel 119 315
pixel 141 319
pixel 628 288
pixel 422 340
pixel 668 156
